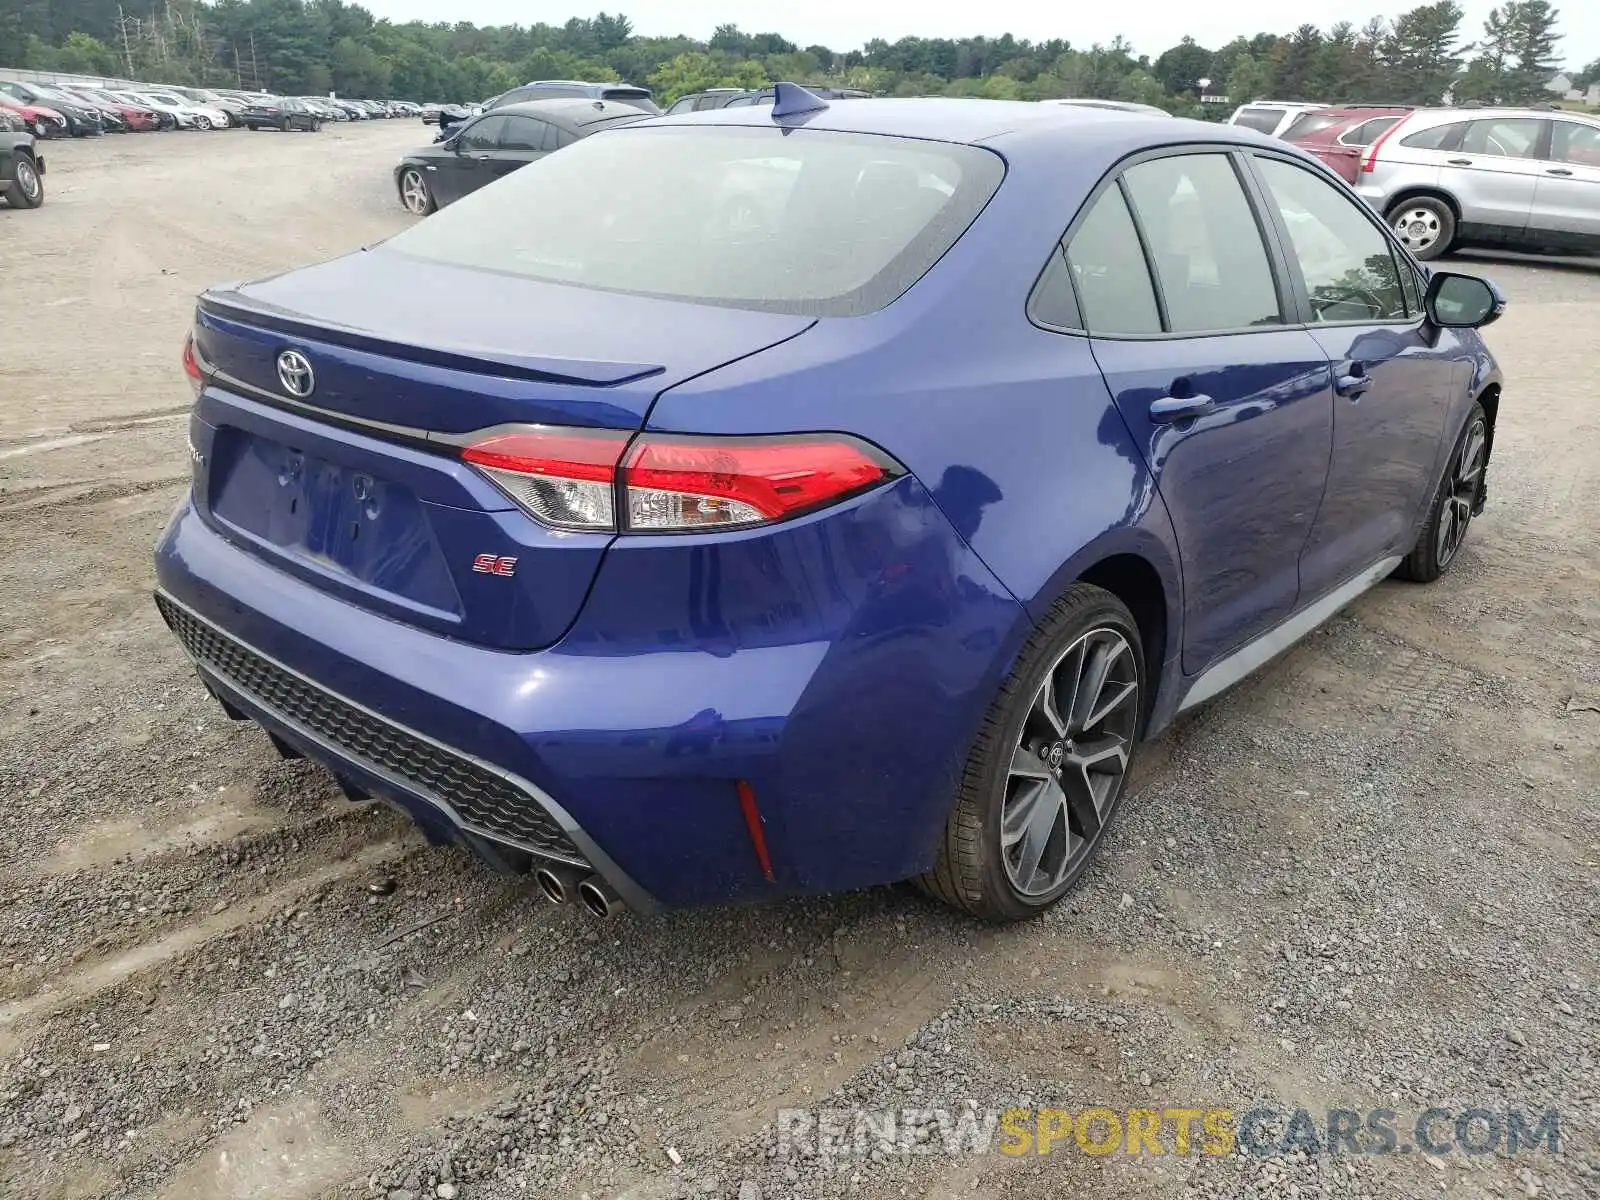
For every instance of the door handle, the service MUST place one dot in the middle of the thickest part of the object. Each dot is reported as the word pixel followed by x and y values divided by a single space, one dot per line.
pixel 1181 408
pixel 1353 382
pixel 1459 162
pixel 1557 171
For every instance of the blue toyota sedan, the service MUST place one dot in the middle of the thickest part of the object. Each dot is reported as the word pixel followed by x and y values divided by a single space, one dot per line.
pixel 797 498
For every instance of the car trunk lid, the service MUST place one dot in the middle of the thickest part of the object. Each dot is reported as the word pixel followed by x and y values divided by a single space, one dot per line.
pixel 351 477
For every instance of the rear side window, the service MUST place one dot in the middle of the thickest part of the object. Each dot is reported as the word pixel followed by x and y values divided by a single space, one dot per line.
pixel 803 221
pixel 1440 137
pixel 1204 243
pixel 1264 120
pixel 1109 270
pixel 687 104
pixel 1347 263
pixel 1368 132
pixel 1053 302
pixel 524 133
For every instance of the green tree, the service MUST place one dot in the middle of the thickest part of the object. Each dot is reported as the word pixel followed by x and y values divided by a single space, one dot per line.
pixel 1249 79
pixel 1421 55
pixel 1181 68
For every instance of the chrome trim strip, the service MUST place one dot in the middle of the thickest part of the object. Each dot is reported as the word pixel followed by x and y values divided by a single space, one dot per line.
pixel 632 894
pixel 251 391
pixel 1228 671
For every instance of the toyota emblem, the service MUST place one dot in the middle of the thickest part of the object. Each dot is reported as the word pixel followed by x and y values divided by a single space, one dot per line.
pixel 294 372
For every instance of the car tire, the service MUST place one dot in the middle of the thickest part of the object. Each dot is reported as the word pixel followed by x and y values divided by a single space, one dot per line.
pixel 416 197
pixel 201 121
pixel 1457 500
pixel 1425 225
pixel 252 126
pixel 26 189
pixel 316 127
pixel 1030 814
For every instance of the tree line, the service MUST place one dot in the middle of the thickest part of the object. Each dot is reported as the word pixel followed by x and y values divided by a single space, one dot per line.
pixel 316 46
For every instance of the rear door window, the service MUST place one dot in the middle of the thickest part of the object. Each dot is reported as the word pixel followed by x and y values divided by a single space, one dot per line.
pixel 1110 273
pixel 1205 244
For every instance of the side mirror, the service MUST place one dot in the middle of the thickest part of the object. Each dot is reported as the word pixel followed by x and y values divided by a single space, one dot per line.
pixel 1456 301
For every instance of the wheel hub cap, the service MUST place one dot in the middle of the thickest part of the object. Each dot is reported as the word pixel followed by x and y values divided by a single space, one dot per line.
pixel 1070 759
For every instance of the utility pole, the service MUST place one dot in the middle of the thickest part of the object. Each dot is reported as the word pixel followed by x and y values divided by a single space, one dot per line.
pixel 127 51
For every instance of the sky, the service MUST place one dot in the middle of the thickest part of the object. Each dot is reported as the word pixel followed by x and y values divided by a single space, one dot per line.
pixel 1151 25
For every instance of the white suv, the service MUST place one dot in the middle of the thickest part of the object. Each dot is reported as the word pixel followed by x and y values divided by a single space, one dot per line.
pixel 1271 117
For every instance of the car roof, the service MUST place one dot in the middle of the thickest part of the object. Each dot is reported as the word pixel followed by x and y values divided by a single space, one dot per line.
pixel 575 112
pixel 1012 125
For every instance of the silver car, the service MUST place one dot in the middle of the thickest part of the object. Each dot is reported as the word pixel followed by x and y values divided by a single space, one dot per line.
pixel 1517 179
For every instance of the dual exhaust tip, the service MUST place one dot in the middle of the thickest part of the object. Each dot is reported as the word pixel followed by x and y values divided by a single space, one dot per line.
pixel 560 886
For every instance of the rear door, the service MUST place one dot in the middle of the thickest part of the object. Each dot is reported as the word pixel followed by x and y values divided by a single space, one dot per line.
pixel 1392 380
pixel 1187 314
pixel 1567 199
pixel 1493 174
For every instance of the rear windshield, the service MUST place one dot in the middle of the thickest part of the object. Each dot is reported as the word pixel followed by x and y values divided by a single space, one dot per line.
pixel 1263 120
pixel 781 220
pixel 633 97
pixel 1306 125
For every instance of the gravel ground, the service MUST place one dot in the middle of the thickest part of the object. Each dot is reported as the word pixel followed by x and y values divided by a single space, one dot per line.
pixel 1369 878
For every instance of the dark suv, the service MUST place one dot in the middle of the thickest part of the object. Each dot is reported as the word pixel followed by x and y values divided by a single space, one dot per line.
pixel 576 89
pixel 21 164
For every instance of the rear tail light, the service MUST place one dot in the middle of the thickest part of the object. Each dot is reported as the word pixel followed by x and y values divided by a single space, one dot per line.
pixel 563 478
pixel 191 365
pixel 668 483
pixel 1369 161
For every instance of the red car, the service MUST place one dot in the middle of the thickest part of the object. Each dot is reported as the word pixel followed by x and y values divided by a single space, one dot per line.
pixel 1338 135
pixel 43 122
pixel 137 118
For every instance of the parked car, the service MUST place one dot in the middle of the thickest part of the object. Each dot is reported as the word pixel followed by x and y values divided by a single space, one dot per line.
pixel 1339 134
pixel 1518 179
pixel 323 109
pixel 684 565
pixel 573 89
pixel 714 98
pixel 42 121
pixel 21 164
pixel 229 106
pixel 135 117
pixel 1271 117
pixel 496 143
pixel 284 115
pixel 1126 106
pixel 82 120
pixel 181 113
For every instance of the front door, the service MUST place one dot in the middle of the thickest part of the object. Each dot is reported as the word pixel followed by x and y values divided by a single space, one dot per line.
pixel 1567 200
pixel 470 165
pixel 1392 386
pixel 1231 408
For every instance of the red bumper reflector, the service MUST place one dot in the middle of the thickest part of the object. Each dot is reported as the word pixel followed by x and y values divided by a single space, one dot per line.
pixel 753 822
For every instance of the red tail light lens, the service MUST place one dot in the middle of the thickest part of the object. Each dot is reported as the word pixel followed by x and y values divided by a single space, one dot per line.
pixel 1369 161
pixel 191 365
pixel 682 483
pixel 565 478
pixel 571 479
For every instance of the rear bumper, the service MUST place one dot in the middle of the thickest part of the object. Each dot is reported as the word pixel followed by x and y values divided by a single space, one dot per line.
pixel 839 665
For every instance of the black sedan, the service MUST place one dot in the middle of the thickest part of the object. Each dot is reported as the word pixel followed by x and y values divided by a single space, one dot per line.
pixel 496 143
pixel 280 114
pixel 21 165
